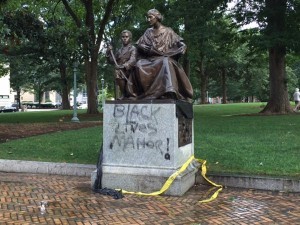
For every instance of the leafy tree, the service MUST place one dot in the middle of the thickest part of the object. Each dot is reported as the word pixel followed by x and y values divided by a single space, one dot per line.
pixel 38 33
pixel 278 22
pixel 226 54
pixel 58 38
pixel 22 28
pixel 293 72
pixel 255 76
pixel 200 20
pixel 90 18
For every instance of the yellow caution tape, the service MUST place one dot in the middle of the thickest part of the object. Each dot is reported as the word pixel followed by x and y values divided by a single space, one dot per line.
pixel 203 173
pixel 170 180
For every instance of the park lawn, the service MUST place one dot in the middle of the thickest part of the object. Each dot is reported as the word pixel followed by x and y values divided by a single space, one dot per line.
pixel 233 138
pixel 47 116
pixel 73 146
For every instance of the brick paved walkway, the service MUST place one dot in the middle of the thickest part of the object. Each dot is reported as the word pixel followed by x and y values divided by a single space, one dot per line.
pixel 71 201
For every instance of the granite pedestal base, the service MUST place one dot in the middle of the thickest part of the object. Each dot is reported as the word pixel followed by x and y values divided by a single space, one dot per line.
pixel 144 143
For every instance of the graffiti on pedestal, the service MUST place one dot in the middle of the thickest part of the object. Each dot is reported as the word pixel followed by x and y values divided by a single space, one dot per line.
pixel 136 127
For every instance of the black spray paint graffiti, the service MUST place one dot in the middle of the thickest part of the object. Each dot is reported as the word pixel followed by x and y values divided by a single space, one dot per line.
pixel 135 113
pixel 137 128
pixel 167 155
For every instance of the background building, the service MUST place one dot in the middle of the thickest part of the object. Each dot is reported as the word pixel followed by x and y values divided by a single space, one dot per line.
pixel 7 96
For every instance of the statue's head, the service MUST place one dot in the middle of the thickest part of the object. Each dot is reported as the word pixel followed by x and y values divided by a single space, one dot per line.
pixel 155 13
pixel 128 32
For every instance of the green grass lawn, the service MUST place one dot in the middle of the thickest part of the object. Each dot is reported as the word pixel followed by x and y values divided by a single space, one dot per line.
pixel 233 142
pixel 233 138
pixel 46 116
pixel 74 146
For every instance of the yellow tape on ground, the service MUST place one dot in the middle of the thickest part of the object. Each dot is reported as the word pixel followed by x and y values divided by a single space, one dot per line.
pixel 203 173
pixel 170 180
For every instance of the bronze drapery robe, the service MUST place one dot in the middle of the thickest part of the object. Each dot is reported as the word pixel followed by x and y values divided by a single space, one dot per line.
pixel 158 73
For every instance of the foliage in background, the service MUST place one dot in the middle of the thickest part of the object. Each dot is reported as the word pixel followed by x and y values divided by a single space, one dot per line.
pixel 224 58
pixel 278 33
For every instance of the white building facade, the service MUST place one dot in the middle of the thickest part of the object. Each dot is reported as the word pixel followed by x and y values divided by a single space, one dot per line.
pixel 7 96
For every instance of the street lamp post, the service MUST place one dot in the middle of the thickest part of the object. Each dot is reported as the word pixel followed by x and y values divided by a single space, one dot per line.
pixel 75 118
pixel 102 95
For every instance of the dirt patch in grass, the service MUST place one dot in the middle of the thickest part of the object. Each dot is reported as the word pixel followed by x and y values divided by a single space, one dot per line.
pixel 15 131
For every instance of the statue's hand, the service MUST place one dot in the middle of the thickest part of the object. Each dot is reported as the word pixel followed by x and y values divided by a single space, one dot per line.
pixel 109 47
pixel 182 49
pixel 108 50
pixel 146 48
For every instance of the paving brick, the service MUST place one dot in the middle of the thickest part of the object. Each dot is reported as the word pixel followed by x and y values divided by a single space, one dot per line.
pixel 71 201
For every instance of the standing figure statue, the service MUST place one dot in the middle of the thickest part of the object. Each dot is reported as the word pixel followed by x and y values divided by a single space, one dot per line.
pixel 158 73
pixel 124 60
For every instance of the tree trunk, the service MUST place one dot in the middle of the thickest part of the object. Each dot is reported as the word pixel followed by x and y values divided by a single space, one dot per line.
pixel 203 82
pixel 91 82
pixel 40 95
pixel 65 87
pixel 276 17
pixel 91 45
pixel 19 97
pixel 278 101
pixel 224 87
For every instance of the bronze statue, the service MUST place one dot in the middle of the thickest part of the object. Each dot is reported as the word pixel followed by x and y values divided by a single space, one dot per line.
pixel 124 60
pixel 158 73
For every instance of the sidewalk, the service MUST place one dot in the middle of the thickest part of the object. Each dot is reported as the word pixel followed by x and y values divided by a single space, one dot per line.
pixel 71 201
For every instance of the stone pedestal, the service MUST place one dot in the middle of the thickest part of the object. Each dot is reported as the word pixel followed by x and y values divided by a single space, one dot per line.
pixel 146 142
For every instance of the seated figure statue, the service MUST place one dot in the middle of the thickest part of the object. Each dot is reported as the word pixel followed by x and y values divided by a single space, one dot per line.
pixel 158 73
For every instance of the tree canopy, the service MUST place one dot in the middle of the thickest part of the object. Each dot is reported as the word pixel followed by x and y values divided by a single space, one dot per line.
pixel 224 59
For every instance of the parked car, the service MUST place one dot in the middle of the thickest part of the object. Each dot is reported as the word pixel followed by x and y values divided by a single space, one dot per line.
pixel 9 108
pixel 83 106
pixel 15 105
pixel 57 105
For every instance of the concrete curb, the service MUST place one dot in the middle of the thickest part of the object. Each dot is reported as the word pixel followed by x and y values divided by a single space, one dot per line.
pixel 229 180
pixel 253 182
pixel 19 166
